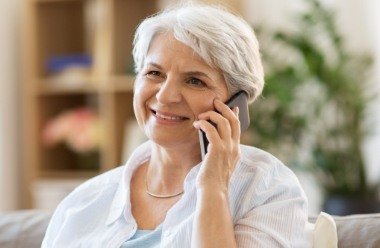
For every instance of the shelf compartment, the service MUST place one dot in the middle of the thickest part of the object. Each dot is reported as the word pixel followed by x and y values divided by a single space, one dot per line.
pixel 49 87
pixel 127 15
pixel 61 30
pixel 59 156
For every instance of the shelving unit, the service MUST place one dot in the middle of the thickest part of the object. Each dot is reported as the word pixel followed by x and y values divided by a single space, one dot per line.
pixel 102 29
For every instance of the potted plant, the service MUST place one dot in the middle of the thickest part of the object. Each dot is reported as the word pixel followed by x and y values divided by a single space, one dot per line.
pixel 313 109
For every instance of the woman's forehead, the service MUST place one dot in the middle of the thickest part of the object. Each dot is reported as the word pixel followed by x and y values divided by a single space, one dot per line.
pixel 165 47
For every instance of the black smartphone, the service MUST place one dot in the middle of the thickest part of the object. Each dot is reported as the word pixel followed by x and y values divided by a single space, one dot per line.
pixel 240 100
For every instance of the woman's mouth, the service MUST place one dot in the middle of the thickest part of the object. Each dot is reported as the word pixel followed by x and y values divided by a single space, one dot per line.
pixel 168 116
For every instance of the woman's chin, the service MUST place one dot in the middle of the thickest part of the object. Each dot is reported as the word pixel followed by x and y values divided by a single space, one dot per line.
pixel 174 140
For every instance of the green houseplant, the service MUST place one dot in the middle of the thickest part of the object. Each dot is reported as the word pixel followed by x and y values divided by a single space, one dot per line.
pixel 314 105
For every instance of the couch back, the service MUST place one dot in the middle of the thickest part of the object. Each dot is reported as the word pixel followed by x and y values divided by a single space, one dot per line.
pixel 27 228
pixel 357 231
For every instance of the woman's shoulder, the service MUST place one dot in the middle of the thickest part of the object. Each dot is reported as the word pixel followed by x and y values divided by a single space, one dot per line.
pixel 88 199
pixel 253 157
pixel 264 179
pixel 260 168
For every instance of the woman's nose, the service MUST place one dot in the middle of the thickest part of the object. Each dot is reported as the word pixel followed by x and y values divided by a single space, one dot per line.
pixel 169 91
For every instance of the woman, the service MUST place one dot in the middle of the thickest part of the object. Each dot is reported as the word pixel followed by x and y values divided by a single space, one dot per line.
pixel 189 61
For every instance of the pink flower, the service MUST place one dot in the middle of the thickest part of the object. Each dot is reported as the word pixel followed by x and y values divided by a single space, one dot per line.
pixel 79 129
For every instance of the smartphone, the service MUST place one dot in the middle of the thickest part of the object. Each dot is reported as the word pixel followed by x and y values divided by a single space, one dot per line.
pixel 239 100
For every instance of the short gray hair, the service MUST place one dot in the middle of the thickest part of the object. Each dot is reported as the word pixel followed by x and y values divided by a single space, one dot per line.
pixel 222 39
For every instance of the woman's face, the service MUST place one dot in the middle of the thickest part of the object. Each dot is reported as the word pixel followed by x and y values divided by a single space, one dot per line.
pixel 172 89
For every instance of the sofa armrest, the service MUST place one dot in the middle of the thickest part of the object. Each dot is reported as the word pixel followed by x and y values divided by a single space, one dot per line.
pixel 23 228
pixel 360 230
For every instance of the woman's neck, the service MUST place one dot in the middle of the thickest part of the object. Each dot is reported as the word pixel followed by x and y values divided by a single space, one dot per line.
pixel 168 167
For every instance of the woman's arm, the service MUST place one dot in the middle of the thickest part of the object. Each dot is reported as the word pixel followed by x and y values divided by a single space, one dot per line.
pixel 213 226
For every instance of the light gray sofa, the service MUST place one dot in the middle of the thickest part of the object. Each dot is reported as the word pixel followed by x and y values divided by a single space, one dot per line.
pixel 26 229
pixel 357 231
pixel 23 228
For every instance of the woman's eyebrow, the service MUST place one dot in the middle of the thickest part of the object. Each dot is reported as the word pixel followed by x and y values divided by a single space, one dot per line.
pixel 154 65
pixel 188 73
pixel 197 73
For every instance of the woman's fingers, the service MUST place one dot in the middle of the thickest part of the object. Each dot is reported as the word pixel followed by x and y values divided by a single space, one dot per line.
pixel 221 124
pixel 231 115
pixel 211 132
pixel 227 120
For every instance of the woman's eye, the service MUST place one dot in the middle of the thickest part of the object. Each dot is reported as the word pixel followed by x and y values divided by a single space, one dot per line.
pixel 153 73
pixel 196 82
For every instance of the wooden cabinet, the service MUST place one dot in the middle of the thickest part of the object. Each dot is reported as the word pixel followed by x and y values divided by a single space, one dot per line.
pixel 103 31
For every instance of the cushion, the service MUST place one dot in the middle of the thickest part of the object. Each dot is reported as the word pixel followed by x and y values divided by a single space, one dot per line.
pixel 357 230
pixel 325 232
pixel 23 228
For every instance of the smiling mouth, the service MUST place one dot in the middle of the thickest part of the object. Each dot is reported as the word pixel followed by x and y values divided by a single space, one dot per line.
pixel 168 117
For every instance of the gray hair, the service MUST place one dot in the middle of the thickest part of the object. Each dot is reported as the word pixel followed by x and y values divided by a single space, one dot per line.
pixel 223 40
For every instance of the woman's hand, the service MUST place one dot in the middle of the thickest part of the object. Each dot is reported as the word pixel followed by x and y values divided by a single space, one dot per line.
pixel 223 149
pixel 212 216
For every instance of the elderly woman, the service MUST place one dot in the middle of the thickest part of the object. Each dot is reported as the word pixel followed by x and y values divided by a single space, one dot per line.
pixel 189 61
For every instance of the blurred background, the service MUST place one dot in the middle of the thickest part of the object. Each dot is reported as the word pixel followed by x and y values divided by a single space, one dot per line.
pixel 66 95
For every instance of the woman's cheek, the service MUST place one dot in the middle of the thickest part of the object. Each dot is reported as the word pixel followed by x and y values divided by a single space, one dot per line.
pixel 208 101
pixel 206 106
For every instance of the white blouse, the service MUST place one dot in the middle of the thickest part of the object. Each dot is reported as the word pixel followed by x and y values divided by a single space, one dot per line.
pixel 267 205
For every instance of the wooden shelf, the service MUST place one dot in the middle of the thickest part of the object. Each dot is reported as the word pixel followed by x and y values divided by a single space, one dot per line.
pixel 54 28
pixel 90 86
pixel 49 87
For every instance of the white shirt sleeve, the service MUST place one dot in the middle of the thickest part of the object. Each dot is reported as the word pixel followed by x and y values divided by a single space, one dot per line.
pixel 279 216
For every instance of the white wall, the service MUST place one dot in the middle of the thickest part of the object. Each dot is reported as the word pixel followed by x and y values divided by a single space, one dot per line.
pixel 358 21
pixel 9 106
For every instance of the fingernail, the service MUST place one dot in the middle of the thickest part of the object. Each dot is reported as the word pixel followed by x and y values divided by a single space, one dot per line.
pixel 237 111
pixel 196 124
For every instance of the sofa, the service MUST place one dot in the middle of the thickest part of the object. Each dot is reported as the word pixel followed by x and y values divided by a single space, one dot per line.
pixel 26 229
pixel 357 231
pixel 23 228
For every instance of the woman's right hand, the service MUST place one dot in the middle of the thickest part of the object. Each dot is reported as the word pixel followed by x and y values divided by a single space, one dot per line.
pixel 223 149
